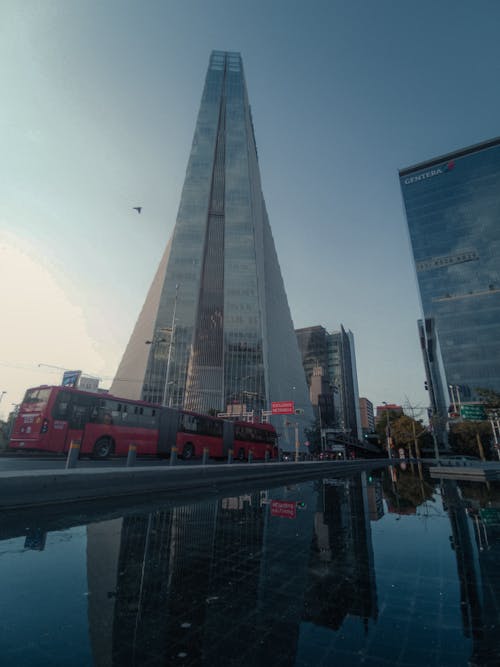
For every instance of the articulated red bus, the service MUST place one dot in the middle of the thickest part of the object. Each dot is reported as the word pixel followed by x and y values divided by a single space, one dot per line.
pixel 50 418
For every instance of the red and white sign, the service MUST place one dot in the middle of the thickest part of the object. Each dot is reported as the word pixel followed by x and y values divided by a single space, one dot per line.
pixel 282 408
pixel 284 509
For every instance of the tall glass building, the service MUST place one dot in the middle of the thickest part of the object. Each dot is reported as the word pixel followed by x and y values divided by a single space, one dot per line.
pixel 453 211
pixel 215 329
pixel 335 354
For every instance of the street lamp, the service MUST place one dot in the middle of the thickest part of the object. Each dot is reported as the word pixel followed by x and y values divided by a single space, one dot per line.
pixel 154 344
pixel 388 431
pixel 169 357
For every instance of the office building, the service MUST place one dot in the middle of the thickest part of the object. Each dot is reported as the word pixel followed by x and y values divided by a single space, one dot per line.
pixel 453 211
pixel 216 329
pixel 366 414
pixel 335 353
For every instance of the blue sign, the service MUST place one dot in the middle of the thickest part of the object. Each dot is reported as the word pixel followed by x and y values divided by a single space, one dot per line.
pixel 70 378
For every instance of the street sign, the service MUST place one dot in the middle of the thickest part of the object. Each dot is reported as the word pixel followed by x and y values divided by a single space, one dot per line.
pixel 284 509
pixel 473 412
pixel 490 515
pixel 283 408
pixel 70 378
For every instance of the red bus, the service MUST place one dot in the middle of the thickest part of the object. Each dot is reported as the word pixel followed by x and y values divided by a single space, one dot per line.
pixel 50 418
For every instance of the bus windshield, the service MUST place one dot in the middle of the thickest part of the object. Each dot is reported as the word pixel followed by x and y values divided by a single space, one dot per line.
pixel 36 398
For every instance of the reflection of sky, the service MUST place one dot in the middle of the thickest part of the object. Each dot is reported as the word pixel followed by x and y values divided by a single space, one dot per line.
pixel 43 602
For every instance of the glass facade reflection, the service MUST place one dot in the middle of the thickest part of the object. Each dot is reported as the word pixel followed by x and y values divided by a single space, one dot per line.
pixel 383 568
pixel 216 318
pixel 453 212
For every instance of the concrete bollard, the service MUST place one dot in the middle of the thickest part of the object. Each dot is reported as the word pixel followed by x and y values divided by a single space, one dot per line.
pixel 266 456
pixel 173 456
pixel 132 455
pixel 204 460
pixel 229 455
pixel 73 453
pixel 250 456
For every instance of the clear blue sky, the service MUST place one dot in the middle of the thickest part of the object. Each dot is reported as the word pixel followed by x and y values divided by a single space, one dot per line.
pixel 98 111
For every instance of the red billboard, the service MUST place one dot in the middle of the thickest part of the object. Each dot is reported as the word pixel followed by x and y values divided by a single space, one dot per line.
pixel 284 508
pixel 282 408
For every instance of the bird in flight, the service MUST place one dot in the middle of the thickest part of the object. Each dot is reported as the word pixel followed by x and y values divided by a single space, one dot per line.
pixel 137 208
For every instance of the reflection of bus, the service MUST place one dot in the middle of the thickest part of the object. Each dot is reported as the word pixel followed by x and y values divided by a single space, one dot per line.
pixel 50 418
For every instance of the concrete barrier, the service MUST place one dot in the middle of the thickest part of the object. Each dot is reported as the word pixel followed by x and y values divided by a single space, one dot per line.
pixel 44 487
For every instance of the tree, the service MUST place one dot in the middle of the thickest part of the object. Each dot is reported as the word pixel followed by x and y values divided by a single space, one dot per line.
pixel 490 398
pixel 313 434
pixel 463 437
pixel 404 431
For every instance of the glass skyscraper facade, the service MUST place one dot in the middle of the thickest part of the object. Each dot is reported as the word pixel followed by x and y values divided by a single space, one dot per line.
pixel 216 329
pixel 453 212
pixel 335 354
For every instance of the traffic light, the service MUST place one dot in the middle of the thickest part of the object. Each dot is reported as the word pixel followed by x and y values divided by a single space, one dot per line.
pixel 426 386
pixel 300 504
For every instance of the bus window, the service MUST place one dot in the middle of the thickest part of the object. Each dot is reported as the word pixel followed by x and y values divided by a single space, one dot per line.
pixel 189 423
pixel 61 406
pixel 38 397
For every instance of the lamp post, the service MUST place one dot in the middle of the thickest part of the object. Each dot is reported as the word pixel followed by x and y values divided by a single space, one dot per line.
pixel 388 432
pixel 169 356
pixel 154 343
pixel 493 419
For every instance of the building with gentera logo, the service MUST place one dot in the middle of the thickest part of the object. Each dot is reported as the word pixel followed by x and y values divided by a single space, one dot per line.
pixel 215 329
pixel 453 212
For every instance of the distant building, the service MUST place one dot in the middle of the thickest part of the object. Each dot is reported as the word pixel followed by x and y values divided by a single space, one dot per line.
pixel 367 417
pixel 335 354
pixel 452 207
pixel 392 408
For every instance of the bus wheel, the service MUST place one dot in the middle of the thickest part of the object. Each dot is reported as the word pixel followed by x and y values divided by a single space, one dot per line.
pixel 241 454
pixel 188 451
pixel 103 448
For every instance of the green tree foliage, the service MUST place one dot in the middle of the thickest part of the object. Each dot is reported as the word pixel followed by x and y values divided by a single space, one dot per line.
pixel 463 437
pixel 490 398
pixel 404 430
pixel 408 491
pixel 313 434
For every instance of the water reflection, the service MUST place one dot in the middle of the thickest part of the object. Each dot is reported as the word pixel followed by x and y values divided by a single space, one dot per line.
pixel 377 569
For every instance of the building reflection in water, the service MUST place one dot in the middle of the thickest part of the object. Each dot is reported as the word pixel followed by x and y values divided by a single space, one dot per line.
pixel 341 572
pixel 476 540
pixel 228 581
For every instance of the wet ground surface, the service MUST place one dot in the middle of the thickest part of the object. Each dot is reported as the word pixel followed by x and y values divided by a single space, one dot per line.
pixel 383 568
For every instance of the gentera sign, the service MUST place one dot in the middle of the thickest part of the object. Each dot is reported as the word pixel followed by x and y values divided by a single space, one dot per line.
pixel 429 174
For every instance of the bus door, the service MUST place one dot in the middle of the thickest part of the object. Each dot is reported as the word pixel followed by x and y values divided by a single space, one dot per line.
pixel 82 410
pixel 168 426
pixel 227 437
pixel 60 415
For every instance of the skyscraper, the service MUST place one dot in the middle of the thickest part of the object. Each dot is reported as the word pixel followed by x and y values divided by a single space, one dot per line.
pixel 453 212
pixel 335 354
pixel 215 328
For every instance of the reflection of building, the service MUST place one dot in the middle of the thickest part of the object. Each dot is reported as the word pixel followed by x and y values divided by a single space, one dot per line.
pixel 476 542
pixel 335 354
pixel 375 497
pixel 216 315
pixel 453 209
pixel 341 568
pixel 226 581
pixel 388 411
